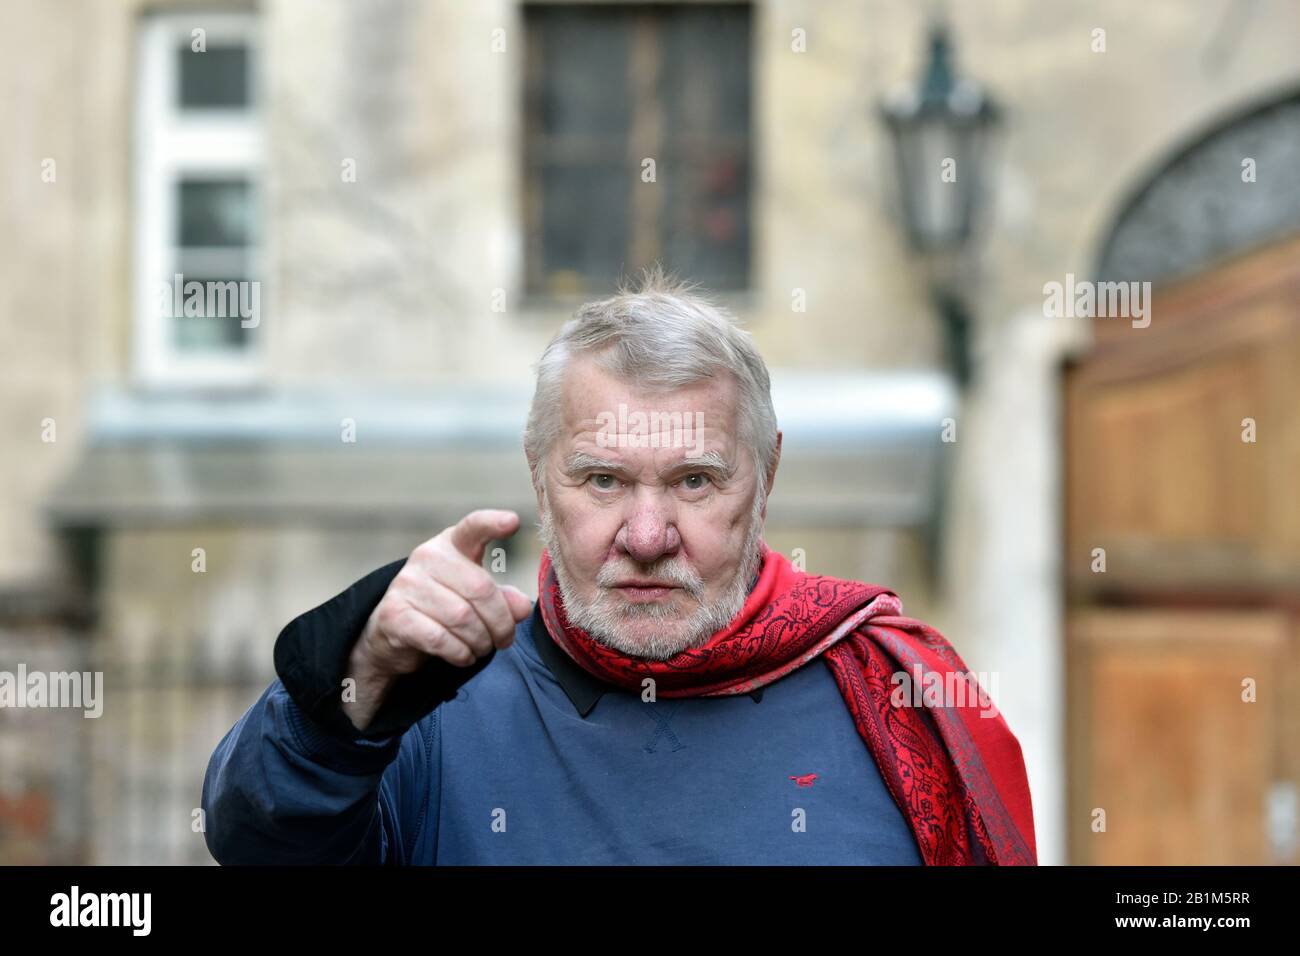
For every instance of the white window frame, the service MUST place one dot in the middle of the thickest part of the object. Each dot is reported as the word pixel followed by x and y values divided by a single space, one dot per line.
pixel 172 144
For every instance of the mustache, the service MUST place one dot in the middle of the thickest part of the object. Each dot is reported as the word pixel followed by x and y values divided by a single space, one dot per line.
pixel 671 571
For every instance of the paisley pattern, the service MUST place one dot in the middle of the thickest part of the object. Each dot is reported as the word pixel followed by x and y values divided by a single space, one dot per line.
pixel 957 774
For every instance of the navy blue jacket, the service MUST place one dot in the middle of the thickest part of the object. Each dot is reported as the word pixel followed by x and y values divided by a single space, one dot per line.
pixel 524 758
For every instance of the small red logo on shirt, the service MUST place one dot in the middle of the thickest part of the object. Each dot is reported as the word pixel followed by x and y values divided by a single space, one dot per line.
pixel 805 780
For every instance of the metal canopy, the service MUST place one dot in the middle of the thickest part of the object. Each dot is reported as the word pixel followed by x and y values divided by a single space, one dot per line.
pixel 859 450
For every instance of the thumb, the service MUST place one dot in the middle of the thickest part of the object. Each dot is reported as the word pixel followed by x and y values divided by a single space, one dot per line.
pixel 521 606
pixel 471 534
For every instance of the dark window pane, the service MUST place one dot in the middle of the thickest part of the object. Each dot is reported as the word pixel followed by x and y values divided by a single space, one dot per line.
pixel 704 78
pixel 584 226
pixel 215 212
pixel 214 79
pixel 219 322
pixel 582 85
pixel 215 249
pixel 706 219
pixel 208 334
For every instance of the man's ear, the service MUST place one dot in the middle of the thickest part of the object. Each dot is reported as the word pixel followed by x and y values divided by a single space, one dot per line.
pixel 776 460
pixel 534 470
pixel 771 473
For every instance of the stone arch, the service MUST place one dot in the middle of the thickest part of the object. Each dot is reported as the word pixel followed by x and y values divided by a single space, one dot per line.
pixel 1194 208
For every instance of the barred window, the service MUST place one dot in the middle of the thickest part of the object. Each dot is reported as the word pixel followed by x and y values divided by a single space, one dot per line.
pixel 608 88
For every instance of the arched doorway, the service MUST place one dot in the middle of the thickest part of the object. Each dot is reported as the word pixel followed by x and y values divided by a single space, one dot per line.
pixel 1182 443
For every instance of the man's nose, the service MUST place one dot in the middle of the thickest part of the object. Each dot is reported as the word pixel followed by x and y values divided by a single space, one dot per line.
pixel 649 534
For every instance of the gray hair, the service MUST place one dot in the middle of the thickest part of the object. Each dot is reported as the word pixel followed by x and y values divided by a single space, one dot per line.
pixel 660 334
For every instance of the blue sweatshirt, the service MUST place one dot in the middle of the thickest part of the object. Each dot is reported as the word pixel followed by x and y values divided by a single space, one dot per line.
pixel 527 759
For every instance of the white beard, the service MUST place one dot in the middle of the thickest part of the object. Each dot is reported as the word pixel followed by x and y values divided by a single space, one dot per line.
pixel 606 618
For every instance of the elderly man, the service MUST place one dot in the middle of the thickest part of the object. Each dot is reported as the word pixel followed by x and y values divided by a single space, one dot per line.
pixel 678 693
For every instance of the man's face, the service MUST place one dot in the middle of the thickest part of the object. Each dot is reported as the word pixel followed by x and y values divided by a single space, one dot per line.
pixel 654 547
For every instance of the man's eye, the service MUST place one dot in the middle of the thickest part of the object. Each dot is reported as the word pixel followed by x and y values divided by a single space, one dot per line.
pixel 604 482
pixel 695 482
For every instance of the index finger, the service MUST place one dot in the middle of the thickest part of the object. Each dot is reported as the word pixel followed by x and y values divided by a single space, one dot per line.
pixel 472 533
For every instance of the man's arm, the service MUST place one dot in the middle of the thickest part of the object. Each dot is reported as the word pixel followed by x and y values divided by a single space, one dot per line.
pixel 327 766
pixel 281 789
pixel 294 782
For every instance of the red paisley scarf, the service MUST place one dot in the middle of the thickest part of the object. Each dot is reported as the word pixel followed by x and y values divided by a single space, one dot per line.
pixel 957 775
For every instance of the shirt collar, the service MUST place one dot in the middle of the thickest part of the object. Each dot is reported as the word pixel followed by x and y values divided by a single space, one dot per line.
pixel 583 689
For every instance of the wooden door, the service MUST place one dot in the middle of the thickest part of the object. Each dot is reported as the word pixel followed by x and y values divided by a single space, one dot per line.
pixel 1182 451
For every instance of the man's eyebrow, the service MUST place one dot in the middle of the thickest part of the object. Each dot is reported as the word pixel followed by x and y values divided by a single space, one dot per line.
pixel 581 461
pixel 709 461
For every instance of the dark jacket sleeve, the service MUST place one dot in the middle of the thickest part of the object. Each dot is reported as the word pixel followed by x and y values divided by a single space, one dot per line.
pixel 294 781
